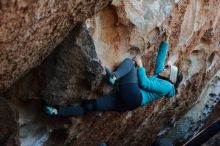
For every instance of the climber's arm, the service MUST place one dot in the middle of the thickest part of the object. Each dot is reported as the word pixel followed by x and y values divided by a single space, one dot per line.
pixel 162 52
pixel 161 57
pixel 144 81
pixel 151 85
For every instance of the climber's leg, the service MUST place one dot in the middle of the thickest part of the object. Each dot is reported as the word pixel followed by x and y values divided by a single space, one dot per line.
pixel 110 103
pixel 71 110
pixel 102 103
pixel 126 72
pixel 129 91
pixel 130 95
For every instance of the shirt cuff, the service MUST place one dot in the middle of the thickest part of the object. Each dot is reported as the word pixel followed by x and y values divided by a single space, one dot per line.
pixel 166 42
pixel 141 70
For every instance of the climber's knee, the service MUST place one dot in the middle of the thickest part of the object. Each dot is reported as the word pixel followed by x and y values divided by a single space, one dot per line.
pixel 129 61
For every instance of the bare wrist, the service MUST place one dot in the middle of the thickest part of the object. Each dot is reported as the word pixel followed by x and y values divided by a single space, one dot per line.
pixel 140 65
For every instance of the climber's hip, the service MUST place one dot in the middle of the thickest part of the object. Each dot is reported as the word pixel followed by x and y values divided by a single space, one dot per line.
pixel 130 95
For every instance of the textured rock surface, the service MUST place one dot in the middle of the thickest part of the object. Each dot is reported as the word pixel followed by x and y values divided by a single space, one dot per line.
pixel 9 126
pixel 194 47
pixel 74 71
pixel 194 119
pixel 30 30
pixel 214 141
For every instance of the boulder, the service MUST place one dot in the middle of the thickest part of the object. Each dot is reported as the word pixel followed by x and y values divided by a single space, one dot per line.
pixel 9 124
pixel 74 70
pixel 30 30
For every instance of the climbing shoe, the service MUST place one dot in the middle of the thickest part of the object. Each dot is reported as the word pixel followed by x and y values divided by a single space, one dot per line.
pixel 50 110
pixel 110 76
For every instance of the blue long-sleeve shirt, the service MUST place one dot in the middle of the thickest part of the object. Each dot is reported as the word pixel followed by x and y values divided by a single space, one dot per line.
pixel 152 87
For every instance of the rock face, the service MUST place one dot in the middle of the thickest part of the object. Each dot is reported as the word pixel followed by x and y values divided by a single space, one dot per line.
pixel 193 120
pixel 9 126
pixel 194 47
pixel 214 141
pixel 73 71
pixel 30 30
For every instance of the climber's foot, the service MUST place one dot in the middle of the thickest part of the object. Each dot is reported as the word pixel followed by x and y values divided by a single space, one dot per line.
pixel 50 110
pixel 110 76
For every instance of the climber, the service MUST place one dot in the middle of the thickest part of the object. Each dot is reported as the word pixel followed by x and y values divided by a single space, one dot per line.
pixel 135 87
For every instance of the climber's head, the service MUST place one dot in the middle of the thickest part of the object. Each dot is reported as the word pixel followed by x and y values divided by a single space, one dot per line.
pixel 173 74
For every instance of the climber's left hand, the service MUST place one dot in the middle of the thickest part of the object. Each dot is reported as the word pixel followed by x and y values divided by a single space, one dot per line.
pixel 138 61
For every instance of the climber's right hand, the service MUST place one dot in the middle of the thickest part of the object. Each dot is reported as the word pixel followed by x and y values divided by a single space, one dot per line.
pixel 167 32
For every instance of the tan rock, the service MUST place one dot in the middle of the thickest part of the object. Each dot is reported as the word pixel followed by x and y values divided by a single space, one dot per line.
pixel 192 24
pixel 30 30
pixel 194 48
